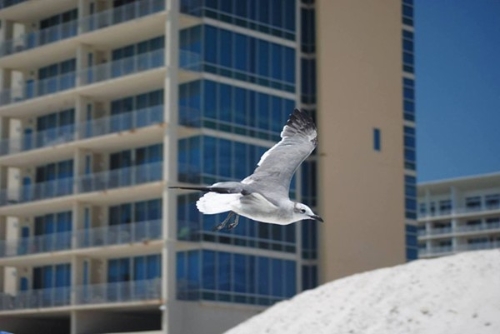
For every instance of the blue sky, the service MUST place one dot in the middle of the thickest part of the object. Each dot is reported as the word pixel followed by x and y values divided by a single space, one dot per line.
pixel 458 87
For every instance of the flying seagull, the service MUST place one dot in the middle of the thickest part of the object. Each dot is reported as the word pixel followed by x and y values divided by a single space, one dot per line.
pixel 263 196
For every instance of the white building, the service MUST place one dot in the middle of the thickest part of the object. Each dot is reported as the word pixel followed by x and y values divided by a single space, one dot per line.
pixel 106 103
pixel 458 215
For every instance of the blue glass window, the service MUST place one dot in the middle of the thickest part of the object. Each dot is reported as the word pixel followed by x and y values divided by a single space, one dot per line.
pixel 276 17
pixel 134 268
pixel 408 52
pixel 407 12
pixel 376 140
pixel 410 197
pixel 308 30
pixel 52 276
pixel 237 278
pixel 410 151
pixel 231 109
pixel 309 277
pixel 308 80
pixel 56 77
pixel 264 63
pixel 153 44
pixel 411 242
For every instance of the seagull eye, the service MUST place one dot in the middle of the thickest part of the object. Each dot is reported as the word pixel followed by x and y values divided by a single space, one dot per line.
pixel 303 210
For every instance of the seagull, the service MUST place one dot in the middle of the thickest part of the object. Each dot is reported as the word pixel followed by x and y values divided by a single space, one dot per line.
pixel 264 195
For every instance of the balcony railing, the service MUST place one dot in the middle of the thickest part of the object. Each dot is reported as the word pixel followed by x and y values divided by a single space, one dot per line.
pixel 94 237
pixel 39 298
pixel 118 178
pixel 38 244
pixel 119 234
pixel 121 14
pixel 126 66
pixel 32 89
pixel 478 227
pixel 479 246
pixel 98 73
pixel 122 122
pixel 123 177
pixel 459 210
pixel 38 38
pixel 99 127
pixel 8 3
pixel 92 22
pixel 190 61
pixel 460 229
pixel 192 117
pixel 120 292
pixel 442 250
pixel 436 250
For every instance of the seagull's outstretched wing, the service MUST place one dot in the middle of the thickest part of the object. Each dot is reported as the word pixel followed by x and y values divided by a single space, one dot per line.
pixel 276 167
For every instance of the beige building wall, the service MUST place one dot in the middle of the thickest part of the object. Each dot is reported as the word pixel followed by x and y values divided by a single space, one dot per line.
pixel 361 191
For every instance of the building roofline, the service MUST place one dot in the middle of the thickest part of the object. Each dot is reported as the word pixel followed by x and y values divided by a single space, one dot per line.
pixel 460 179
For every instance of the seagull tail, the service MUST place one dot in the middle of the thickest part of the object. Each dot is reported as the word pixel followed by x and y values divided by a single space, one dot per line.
pixel 212 203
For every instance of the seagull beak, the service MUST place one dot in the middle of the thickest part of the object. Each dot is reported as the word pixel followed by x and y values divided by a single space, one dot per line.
pixel 318 218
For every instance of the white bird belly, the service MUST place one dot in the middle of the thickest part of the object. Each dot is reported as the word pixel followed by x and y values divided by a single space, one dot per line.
pixel 256 207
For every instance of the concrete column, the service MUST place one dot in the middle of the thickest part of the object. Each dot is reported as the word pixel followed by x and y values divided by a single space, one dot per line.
pixel 74 322
pixel 5 133
pixel 83 8
pixel 82 62
pixel 6 33
pixel 427 201
pixel 78 168
pixel 169 323
pixel 5 78
pixel 81 103
pixel 77 222
pixel 427 227
pixel 454 200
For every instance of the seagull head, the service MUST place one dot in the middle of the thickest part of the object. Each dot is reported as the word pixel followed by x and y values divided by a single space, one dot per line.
pixel 302 211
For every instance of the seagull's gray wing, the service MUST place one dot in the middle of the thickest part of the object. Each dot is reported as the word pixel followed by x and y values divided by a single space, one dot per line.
pixel 276 167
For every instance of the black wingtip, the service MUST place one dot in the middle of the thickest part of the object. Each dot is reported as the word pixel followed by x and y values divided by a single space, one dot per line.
pixel 190 188
pixel 302 119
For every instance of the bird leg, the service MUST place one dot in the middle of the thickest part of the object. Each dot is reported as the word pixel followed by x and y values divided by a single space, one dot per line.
pixel 234 223
pixel 221 225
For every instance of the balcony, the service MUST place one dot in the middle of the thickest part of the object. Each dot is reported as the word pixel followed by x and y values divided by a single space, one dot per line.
pixel 119 234
pixel 464 229
pixel 90 23
pixel 111 70
pixel 34 245
pixel 94 237
pixel 99 127
pixel 479 246
pixel 120 292
pixel 444 250
pixel 120 14
pixel 117 178
pixel 459 211
pixel 39 298
pixel 435 251
pixel 8 3
pixel 478 227
pixel 122 67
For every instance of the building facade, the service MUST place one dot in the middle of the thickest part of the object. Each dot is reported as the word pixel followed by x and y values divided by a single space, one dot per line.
pixel 459 215
pixel 106 103
pixel 367 168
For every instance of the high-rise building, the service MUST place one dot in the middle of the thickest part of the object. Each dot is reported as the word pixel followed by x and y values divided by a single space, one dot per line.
pixel 106 103
pixel 366 111
pixel 458 215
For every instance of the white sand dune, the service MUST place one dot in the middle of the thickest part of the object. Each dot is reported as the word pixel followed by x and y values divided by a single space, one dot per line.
pixel 458 294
